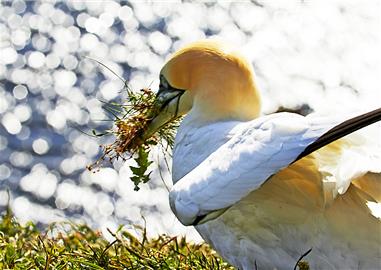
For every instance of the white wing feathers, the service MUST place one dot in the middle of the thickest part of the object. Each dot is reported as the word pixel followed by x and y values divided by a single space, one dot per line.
pixel 260 149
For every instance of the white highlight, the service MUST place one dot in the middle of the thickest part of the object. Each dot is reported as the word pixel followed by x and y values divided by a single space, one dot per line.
pixel 40 146
pixel 11 123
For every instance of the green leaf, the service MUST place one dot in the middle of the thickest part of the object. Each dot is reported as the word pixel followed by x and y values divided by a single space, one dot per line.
pixel 140 174
pixel 137 170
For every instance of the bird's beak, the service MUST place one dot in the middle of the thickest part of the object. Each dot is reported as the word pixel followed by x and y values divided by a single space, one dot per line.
pixel 166 108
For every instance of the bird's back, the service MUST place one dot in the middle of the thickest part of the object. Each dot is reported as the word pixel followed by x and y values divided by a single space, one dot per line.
pixel 314 203
pixel 297 209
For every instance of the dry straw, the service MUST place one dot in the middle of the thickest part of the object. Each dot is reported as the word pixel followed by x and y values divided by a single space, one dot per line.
pixel 131 119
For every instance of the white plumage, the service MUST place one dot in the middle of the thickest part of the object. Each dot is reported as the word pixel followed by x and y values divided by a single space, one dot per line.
pixel 235 180
pixel 223 164
pixel 241 164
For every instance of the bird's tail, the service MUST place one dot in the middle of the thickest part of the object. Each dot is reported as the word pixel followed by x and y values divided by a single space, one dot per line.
pixel 341 130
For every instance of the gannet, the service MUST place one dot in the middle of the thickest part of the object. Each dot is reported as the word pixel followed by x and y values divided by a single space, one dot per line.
pixel 261 189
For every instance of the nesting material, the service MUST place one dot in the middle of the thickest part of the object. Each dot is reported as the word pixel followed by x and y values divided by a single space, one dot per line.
pixel 131 120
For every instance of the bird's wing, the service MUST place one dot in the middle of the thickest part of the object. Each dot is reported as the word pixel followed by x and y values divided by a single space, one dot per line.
pixel 260 149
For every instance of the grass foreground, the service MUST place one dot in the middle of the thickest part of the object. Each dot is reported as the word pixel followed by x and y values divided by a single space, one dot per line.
pixel 80 247
pixel 74 246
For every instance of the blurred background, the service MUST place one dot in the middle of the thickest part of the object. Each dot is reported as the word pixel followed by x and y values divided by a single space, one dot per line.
pixel 322 53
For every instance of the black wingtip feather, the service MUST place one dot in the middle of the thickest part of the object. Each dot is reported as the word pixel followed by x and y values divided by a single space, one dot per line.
pixel 342 130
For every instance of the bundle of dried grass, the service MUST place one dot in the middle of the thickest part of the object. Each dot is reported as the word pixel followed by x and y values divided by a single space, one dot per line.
pixel 131 119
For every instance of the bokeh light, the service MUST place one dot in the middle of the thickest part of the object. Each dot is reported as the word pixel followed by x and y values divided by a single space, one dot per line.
pixel 40 146
pixel 20 92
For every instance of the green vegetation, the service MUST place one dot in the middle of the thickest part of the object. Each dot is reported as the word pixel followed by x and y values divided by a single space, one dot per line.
pixel 131 119
pixel 72 246
pixel 79 247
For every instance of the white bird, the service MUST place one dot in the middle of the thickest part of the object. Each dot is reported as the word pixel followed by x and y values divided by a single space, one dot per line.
pixel 253 186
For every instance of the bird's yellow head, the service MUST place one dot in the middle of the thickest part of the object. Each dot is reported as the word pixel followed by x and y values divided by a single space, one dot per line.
pixel 209 78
